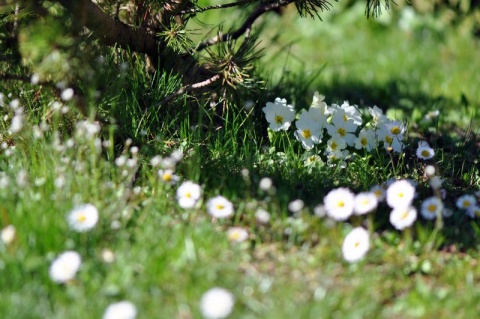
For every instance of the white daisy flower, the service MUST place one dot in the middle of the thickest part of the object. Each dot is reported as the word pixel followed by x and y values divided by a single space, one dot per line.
pixel 435 182
pixel 355 245
pixel 364 203
pixel 431 208
pixel 279 114
pixel 309 131
pixel 378 118
pixel 83 218
pixel 339 203
pixel 67 94
pixel 474 211
pixel 188 194
pixel 366 140
pixel 296 205
pixel 379 192
pixel 424 151
pixel 120 310
pixel 237 234
pixel 262 216
pixel 219 207
pixel 168 176
pixel 400 194
pixel 65 267
pixel 466 201
pixel 343 127
pixel 265 184
pixel 430 170
pixel 403 217
pixel 8 234
pixel 216 303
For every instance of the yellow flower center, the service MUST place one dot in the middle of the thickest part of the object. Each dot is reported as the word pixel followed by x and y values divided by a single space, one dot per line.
pixel 307 133
pixel 395 130
pixel 188 195
pixel 425 153
pixel 333 146
pixel 388 139
pixel 400 195
pixel 167 177
pixel 341 131
pixel 364 141
pixel 220 206
pixel 404 215
pixel 345 118
pixel 81 218
pixel 235 235
pixel 279 119
pixel 357 243
pixel 341 204
pixel 466 203
pixel 431 208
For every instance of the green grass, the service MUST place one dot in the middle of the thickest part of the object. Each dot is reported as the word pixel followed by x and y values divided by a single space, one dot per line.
pixel 167 257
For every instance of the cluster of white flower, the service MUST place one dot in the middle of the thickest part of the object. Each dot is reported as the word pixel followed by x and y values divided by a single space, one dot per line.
pixel 340 204
pixel 343 126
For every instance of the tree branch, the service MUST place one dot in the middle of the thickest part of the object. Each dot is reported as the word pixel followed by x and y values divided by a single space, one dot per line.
pixel 217 6
pixel 245 27
pixel 111 31
pixel 189 88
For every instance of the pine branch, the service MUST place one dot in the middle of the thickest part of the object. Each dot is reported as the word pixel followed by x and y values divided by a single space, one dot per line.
pixel 189 88
pixel 217 6
pixel 245 27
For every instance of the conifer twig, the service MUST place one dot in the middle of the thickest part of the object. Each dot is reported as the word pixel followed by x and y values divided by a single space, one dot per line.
pixel 246 26
pixel 188 88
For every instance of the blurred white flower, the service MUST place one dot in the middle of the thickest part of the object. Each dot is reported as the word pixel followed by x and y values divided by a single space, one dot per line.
pixel 67 94
pixel 237 234
pixel 365 203
pixel 168 176
pixel 435 182
pixel 379 192
pixel 8 234
pixel 83 218
pixel 296 205
pixel 430 170
pixel 265 184
pixel 403 217
pixel 474 211
pixel 279 115
pixel 188 194
pixel 424 151
pixel 431 208
pixel 107 256
pixel 65 267
pixel 356 245
pixel 262 216
pixel 320 211
pixel 216 303
pixel 339 203
pixel 120 310
pixel 34 79
pixel 466 201
pixel 156 160
pixel 17 123
pixel 400 194
pixel 219 207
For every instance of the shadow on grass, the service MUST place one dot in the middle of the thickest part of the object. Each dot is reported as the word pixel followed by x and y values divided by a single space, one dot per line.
pixel 457 152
